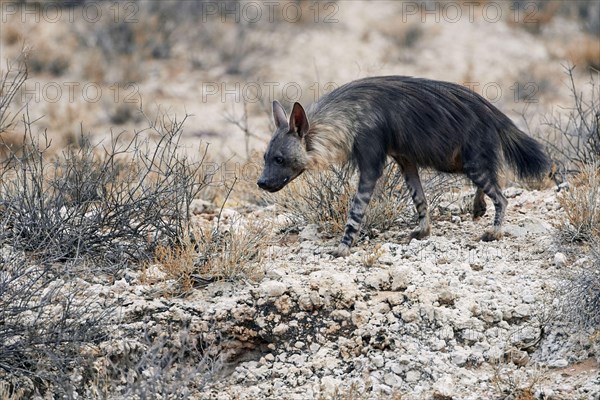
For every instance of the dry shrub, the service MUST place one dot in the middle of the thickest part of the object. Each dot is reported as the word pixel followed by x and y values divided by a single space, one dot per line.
pixel 531 84
pixel 113 203
pixel 11 81
pixel 403 33
pixel 47 319
pixel 324 198
pixel 145 29
pixel 581 296
pixel 581 204
pixel 157 361
pixel 574 136
pixel 586 12
pixel 577 148
pixel 165 30
pixel 584 294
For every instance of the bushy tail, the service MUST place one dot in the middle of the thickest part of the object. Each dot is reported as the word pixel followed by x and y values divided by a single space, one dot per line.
pixel 523 153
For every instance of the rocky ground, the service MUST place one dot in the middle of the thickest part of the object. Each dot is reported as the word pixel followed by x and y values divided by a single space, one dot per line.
pixel 444 318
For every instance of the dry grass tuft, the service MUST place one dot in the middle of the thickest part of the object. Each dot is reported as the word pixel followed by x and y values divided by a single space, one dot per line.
pixel 516 383
pixel 325 198
pixel 581 203
pixel 526 394
pixel 229 253
pixel 371 258
pixel 320 198
pixel 234 252
pixel 179 264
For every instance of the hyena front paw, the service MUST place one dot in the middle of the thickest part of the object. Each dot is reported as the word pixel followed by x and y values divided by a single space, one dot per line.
pixel 478 212
pixel 419 234
pixel 341 251
pixel 491 235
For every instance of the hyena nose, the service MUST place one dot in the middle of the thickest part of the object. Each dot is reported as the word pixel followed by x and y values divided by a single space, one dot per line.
pixel 262 183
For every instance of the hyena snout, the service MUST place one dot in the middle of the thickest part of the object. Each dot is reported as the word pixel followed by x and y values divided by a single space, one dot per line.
pixel 262 183
pixel 267 185
pixel 272 185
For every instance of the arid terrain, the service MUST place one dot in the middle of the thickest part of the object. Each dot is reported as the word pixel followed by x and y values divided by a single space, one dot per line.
pixel 138 259
pixel 447 317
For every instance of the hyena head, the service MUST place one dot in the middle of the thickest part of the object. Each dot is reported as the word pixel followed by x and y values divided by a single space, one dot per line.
pixel 286 156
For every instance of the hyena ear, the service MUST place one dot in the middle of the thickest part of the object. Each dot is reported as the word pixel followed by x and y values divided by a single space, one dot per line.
pixel 279 114
pixel 298 120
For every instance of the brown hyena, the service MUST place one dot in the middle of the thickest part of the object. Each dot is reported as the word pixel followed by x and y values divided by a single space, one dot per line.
pixel 417 122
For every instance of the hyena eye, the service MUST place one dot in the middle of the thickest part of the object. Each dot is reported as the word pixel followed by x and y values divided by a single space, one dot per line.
pixel 279 160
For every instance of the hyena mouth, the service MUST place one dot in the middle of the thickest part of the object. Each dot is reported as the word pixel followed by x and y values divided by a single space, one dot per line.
pixel 280 186
pixel 283 183
pixel 288 180
pixel 272 188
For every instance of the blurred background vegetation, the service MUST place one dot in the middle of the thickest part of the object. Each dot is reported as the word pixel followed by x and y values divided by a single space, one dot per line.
pixel 93 63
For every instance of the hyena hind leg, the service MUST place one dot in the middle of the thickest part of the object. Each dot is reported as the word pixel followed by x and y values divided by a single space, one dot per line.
pixel 413 182
pixel 479 206
pixel 487 183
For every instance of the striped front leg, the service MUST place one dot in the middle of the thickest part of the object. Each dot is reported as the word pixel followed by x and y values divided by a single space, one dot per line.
pixel 366 185
pixel 411 176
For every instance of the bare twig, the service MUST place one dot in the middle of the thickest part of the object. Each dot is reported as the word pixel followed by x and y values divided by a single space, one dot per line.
pixel 576 139
pixel 241 122
pixel 10 84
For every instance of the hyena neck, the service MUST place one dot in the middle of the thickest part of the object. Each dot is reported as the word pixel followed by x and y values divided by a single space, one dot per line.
pixel 327 144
